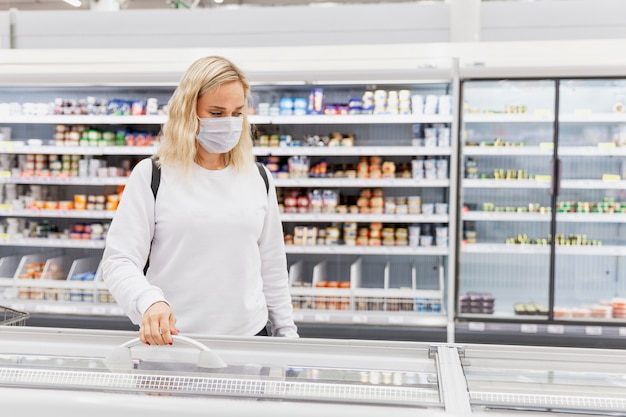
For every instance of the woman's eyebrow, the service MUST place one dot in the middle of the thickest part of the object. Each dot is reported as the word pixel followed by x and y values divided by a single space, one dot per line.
pixel 224 108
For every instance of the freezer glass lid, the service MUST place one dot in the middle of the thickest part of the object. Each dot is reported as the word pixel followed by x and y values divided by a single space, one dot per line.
pixel 185 372
pixel 534 379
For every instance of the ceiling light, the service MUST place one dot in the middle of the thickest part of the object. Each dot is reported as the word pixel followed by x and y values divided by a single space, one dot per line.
pixel 75 3
pixel 219 1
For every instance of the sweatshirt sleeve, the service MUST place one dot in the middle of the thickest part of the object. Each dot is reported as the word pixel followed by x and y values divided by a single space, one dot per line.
pixel 274 269
pixel 128 245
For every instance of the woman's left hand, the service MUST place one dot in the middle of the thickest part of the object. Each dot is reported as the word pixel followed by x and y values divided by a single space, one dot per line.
pixel 158 325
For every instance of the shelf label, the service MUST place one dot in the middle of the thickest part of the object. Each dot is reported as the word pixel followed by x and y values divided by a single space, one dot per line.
pixel 98 311
pixel 5 174
pixel 543 112
pixel 359 318
pixel 19 307
pixel 556 329
pixel 546 145
pixel 593 331
pixel 298 317
pixel 606 145
pixel 6 146
pixel 322 317
pixel 396 320
pixel 116 311
pixel 40 308
pixel 543 177
pixel 622 331
pixel 63 310
pixel 611 177
pixel 476 326
pixel 528 328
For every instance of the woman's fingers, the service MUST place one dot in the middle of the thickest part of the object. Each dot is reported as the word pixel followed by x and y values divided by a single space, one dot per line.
pixel 158 325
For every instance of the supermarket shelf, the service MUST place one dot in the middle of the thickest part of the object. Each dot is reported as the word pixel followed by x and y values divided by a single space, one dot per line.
pixel 85 119
pixel 543 217
pixel 357 183
pixel 507 151
pixel 503 248
pixel 65 181
pixel 591 151
pixel 53 243
pixel 593 184
pixel 489 183
pixel 591 217
pixel 254 119
pixel 369 250
pixel 351 151
pixel 565 184
pixel 300 316
pixel 604 250
pixel 71 308
pixel 64 284
pixel 308 217
pixel 62 214
pixel 525 332
pixel 543 151
pixel 350 119
pixel 16 147
pixel 387 293
pixel 504 216
pixel 508 118
pixel 364 218
pixel 593 118
pixel 370 318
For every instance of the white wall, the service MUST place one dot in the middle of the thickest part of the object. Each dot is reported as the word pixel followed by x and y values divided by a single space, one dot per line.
pixel 246 26
pixel 553 20
pixel 314 25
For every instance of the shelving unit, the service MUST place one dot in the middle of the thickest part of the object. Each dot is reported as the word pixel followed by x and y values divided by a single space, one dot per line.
pixel 48 230
pixel 385 270
pixel 373 275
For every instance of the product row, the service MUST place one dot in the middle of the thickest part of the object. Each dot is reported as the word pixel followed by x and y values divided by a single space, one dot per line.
pixel 368 201
pixel 423 135
pixel 39 197
pixel 94 106
pixel 63 166
pixel 365 303
pixel 80 135
pixel 368 102
pixel 430 168
pixel 374 234
pixel 16 228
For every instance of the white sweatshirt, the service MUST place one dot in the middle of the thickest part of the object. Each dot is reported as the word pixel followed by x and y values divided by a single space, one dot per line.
pixel 217 257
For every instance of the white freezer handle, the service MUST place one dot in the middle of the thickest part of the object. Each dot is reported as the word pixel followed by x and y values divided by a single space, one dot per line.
pixel 120 359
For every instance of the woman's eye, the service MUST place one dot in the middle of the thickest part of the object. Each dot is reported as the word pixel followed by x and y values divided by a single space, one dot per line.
pixel 216 114
pixel 238 114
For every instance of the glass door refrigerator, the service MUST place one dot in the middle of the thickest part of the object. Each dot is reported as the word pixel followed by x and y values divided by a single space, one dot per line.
pixel 541 258
pixel 590 257
pixel 506 192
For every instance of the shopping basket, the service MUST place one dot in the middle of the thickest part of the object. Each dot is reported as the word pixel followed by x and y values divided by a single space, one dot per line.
pixel 10 317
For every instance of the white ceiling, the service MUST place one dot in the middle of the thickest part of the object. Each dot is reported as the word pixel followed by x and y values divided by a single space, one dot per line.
pixel 24 5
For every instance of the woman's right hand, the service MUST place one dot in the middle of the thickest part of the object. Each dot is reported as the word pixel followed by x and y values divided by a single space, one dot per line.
pixel 158 325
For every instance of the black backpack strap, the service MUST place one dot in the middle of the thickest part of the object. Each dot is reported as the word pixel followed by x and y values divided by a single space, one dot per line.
pixel 264 175
pixel 156 177
pixel 154 184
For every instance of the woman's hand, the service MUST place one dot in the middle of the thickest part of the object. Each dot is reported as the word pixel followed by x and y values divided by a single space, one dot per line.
pixel 158 325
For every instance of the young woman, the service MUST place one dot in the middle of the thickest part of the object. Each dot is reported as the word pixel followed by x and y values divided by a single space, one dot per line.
pixel 213 233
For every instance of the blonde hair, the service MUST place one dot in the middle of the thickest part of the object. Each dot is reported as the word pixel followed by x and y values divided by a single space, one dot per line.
pixel 178 142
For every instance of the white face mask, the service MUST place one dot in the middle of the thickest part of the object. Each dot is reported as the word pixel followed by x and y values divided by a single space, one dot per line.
pixel 219 134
